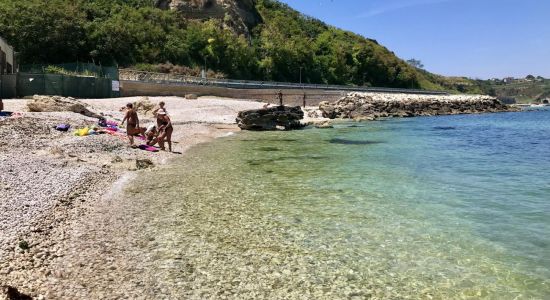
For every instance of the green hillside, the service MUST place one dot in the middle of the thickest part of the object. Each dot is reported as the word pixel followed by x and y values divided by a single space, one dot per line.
pixel 524 91
pixel 137 33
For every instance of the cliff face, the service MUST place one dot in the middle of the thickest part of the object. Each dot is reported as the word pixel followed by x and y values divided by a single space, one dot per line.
pixel 239 15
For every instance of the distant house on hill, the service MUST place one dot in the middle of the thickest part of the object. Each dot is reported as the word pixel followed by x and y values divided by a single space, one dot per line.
pixel 8 64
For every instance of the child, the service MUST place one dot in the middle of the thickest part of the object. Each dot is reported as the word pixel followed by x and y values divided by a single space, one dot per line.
pixel 160 108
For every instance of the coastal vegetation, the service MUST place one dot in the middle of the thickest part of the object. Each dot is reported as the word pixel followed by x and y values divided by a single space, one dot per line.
pixel 283 45
pixel 522 90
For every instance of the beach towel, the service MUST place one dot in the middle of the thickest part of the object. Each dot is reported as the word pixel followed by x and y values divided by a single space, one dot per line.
pixel 148 148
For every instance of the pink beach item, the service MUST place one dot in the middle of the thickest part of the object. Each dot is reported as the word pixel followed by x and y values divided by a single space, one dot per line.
pixel 148 148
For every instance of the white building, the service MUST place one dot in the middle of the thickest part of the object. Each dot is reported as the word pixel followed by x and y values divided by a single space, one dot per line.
pixel 8 64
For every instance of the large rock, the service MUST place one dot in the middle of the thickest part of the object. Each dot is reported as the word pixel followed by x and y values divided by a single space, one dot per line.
pixel 271 118
pixel 60 104
pixel 374 105
pixel 144 105
pixel 239 16
pixel 11 293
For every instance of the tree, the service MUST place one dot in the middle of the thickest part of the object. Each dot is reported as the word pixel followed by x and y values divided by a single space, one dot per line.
pixel 415 63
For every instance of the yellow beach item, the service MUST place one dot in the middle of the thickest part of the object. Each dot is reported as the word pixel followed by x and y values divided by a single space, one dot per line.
pixel 82 132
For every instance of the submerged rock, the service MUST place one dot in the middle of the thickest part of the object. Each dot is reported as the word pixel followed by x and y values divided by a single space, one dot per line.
pixel 144 164
pixel 271 118
pixel 324 125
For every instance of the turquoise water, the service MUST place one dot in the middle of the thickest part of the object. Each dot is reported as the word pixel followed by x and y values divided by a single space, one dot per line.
pixel 439 207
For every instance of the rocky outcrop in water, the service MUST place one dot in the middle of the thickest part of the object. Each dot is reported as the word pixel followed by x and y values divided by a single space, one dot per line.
pixel 369 106
pixel 272 118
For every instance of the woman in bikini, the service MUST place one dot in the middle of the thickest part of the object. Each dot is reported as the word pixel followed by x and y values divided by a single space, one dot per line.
pixel 132 127
pixel 165 130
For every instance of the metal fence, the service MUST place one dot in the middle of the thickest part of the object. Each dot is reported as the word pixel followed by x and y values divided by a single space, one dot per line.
pixel 76 68
pixel 26 84
pixel 134 75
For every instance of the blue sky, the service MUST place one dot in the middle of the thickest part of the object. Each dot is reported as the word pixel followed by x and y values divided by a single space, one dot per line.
pixel 474 38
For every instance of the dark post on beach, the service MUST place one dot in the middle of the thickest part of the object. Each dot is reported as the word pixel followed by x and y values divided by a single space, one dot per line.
pixel 304 100
pixel 280 97
pixel 1 103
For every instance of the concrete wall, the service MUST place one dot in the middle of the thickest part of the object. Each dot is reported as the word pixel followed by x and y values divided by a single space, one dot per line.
pixel 291 97
pixel 10 56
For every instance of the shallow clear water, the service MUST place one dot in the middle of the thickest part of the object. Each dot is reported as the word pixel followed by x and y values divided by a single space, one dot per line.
pixel 443 207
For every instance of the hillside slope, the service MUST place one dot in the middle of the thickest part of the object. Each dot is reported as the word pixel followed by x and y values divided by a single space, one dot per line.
pixel 243 39
pixel 524 91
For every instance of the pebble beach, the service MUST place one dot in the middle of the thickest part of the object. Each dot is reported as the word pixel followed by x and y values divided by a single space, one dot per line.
pixel 53 182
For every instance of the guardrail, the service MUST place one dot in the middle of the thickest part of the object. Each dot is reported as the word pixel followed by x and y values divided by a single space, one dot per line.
pixel 162 78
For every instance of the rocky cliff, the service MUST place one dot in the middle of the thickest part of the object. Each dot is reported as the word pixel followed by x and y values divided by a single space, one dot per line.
pixel 239 15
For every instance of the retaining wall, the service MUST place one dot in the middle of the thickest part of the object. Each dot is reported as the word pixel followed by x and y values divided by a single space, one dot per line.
pixel 292 97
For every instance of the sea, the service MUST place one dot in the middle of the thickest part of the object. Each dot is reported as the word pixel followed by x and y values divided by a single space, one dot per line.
pixel 447 207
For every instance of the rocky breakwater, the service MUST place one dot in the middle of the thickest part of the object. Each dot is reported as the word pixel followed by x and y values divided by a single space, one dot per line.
pixel 370 106
pixel 271 118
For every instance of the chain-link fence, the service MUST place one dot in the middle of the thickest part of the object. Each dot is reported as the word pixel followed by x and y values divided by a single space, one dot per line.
pixel 74 68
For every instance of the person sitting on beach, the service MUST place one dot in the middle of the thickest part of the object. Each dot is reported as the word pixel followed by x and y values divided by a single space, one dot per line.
pixel 132 127
pixel 165 130
pixel 151 134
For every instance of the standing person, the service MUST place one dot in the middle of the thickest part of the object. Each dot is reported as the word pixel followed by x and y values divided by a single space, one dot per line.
pixel 304 100
pixel 161 107
pixel 165 130
pixel 280 97
pixel 132 127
